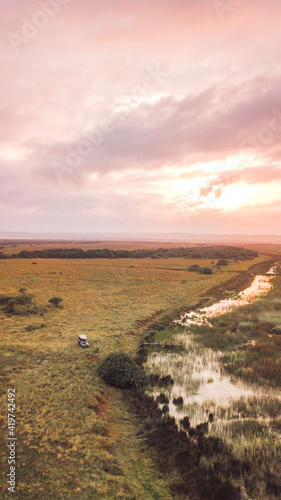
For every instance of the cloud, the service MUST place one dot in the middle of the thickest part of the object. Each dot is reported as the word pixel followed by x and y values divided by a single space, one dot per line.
pixel 249 175
pixel 182 92
pixel 167 132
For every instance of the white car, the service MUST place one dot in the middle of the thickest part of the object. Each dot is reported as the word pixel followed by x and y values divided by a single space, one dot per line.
pixel 82 341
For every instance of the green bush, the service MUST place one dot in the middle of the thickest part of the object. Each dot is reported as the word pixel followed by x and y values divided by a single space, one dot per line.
pixel 56 301
pixel 222 262
pixel 31 328
pixel 207 270
pixel 21 305
pixel 15 300
pixel 119 370
pixel 194 267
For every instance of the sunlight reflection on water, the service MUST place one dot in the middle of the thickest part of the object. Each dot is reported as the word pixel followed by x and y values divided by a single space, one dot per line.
pixel 197 373
pixel 260 286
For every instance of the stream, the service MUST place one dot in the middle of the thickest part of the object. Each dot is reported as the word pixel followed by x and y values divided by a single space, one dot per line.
pixel 197 373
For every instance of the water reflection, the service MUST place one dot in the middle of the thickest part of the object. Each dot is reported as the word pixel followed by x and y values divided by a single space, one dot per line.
pixel 260 286
pixel 197 378
pixel 196 372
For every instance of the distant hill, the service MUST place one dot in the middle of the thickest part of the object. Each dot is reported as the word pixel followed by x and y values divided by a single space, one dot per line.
pixel 126 236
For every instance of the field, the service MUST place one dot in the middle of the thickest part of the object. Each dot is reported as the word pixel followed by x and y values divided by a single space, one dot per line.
pixel 76 436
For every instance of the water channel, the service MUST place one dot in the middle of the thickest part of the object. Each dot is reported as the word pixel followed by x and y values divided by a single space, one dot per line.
pixel 197 373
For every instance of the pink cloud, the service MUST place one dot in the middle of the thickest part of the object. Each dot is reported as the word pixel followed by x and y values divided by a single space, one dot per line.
pixel 215 99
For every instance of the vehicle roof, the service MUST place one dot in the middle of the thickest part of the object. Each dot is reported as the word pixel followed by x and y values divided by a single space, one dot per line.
pixel 82 337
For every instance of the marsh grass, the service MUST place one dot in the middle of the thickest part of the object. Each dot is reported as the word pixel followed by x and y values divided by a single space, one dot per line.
pixel 250 339
pixel 249 427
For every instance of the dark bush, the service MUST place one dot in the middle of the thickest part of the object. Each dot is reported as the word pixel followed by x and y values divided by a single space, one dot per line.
pixel 192 432
pixel 119 370
pixel 19 300
pixel 185 423
pixel 165 409
pixel 56 301
pixel 222 262
pixel 165 381
pixel 206 270
pixel 162 399
pixel 20 305
pixel 178 401
pixel 195 268
pixel 31 328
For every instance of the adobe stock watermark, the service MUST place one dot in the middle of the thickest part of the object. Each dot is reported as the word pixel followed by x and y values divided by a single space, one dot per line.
pixel 152 78
pixel 266 134
pixel 31 27
pixel 85 146
pixel 225 7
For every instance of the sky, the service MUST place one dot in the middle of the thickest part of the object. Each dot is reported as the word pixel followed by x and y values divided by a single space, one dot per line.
pixel 140 116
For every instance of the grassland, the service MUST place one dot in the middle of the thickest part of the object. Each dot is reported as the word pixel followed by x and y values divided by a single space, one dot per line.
pixel 75 436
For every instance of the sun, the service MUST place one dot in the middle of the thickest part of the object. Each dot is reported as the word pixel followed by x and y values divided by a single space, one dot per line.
pixel 232 197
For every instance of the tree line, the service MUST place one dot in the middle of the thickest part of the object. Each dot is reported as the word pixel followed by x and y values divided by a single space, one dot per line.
pixel 212 252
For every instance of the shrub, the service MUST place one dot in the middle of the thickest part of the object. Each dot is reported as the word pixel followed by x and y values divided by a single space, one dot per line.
pixel 31 328
pixel 194 267
pixel 21 305
pixel 178 401
pixel 162 399
pixel 119 370
pixel 56 301
pixel 185 423
pixel 19 300
pixel 207 270
pixel 222 262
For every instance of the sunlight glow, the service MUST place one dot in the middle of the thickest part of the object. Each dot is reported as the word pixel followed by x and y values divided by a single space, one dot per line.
pixel 232 197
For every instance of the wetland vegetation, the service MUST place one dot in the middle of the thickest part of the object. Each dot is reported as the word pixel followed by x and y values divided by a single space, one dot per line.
pixel 230 370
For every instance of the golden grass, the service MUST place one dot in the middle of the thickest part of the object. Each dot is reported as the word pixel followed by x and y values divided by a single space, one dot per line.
pixel 75 440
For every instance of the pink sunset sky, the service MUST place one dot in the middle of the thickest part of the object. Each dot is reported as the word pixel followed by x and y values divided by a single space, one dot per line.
pixel 137 115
